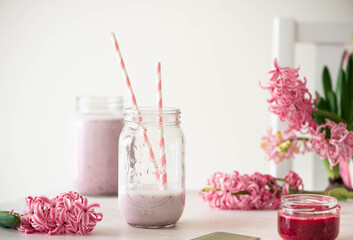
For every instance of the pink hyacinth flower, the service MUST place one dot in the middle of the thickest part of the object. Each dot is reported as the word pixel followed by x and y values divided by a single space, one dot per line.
pixel 290 99
pixel 295 183
pixel 339 148
pixel 68 212
pixel 235 191
pixel 282 145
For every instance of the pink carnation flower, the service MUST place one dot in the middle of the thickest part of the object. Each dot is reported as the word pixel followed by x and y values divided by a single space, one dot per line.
pixel 290 99
pixel 68 212
pixel 339 148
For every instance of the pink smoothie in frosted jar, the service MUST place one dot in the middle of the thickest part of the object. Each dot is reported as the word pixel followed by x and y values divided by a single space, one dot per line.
pixel 308 217
pixel 97 128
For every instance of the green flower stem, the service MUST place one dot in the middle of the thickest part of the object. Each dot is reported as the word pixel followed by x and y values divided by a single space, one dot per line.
pixel 243 192
pixel 341 194
pixel 333 117
pixel 206 189
pixel 303 139
pixel 282 180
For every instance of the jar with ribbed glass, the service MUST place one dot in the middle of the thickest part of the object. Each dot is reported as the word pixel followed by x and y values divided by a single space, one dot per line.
pixel 151 167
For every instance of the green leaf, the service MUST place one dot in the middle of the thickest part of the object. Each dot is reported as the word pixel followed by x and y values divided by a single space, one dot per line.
pixel 349 76
pixel 332 102
pixel 321 104
pixel 9 220
pixel 339 89
pixel 345 103
pixel 331 116
pixel 342 91
pixel 326 81
pixel 342 58
pixel 341 194
pixel 349 69
pixel 331 172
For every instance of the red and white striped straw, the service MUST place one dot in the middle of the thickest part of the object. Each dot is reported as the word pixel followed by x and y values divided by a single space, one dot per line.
pixel 162 154
pixel 123 68
pixel 134 104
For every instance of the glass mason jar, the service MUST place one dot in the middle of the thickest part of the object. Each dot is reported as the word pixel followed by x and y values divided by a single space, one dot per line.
pixel 308 216
pixel 151 194
pixel 98 124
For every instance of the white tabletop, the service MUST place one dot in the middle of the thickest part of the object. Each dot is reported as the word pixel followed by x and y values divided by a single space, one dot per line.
pixel 198 219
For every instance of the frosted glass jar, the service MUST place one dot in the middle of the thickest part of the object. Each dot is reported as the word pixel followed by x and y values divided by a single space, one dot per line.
pixel 143 198
pixel 98 124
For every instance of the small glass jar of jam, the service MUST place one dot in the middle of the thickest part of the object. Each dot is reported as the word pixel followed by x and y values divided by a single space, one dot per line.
pixel 308 217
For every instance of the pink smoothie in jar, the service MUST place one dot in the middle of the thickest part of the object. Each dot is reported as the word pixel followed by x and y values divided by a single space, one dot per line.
pixel 146 199
pixel 308 217
pixel 149 209
pixel 97 129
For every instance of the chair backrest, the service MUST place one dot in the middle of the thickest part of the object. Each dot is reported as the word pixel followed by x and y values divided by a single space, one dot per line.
pixel 329 40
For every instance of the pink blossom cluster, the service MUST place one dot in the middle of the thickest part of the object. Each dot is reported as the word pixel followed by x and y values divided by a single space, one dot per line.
pixel 235 191
pixel 294 182
pixel 290 99
pixel 293 103
pixel 282 145
pixel 339 148
pixel 68 212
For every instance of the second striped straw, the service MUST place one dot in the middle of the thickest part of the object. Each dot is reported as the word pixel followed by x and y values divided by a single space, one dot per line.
pixel 162 154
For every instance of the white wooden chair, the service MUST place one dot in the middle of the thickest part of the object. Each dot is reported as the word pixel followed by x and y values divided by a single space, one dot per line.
pixel 329 40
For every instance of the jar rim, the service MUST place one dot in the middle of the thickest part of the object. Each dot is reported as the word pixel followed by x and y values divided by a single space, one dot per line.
pixel 151 111
pixel 84 98
pixel 167 116
pixel 99 104
pixel 308 202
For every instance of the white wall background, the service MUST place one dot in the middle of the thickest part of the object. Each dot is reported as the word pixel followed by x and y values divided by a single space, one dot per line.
pixel 213 53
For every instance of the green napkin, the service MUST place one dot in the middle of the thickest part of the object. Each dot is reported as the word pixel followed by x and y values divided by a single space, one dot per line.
pixel 225 236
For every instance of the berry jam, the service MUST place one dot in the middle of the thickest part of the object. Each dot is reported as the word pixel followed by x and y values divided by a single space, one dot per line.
pixel 308 228
pixel 308 217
